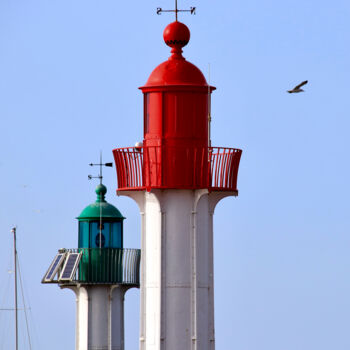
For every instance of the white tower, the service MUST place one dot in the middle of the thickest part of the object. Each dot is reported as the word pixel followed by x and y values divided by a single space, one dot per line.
pixel 177 179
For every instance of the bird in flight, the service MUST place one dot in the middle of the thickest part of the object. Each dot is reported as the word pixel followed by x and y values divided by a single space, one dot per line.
pixel 297 88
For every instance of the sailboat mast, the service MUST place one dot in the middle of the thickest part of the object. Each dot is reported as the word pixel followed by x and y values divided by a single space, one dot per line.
pixel 15 262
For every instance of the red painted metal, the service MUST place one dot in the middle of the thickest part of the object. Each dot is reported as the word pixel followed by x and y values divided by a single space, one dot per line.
pixel 224 168
pixel 175 152
pixel 176 71
pixel 129 167
pixel 141 169
pixel 176 98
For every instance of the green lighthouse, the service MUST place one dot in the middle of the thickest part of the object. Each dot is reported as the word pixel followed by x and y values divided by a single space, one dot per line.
pixel 101 241
pixel 99 271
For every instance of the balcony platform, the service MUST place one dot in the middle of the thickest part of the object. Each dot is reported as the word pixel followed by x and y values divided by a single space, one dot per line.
pixel 164 167
pixel 97 266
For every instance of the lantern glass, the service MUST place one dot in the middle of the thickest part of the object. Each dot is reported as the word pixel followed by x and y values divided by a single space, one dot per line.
pixel 83 234
pixel 116 235
pixel 97 239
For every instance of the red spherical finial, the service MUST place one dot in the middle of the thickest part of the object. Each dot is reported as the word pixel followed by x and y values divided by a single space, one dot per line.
pixel 176 35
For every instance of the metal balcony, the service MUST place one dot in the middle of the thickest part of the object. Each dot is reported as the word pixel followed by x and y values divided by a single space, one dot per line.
pixel 142 168
pixel 96 266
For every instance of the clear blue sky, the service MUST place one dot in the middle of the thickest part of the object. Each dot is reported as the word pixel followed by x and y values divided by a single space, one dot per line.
pixel 69 73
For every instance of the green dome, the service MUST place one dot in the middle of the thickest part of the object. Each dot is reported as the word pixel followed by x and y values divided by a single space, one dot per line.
pixel 107 211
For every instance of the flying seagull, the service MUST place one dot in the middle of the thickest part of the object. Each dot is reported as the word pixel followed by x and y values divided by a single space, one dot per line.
pixel 297 88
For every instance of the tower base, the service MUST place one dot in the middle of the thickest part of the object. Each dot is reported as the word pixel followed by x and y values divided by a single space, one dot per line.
pixel 177 284
pixel 99 316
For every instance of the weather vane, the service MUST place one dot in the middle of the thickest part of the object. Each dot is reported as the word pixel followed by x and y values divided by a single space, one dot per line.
pixel 192 10
pixel 100 164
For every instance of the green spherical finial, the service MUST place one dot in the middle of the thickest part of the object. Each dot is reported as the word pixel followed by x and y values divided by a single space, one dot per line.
pixel 101 208
pixel 101 190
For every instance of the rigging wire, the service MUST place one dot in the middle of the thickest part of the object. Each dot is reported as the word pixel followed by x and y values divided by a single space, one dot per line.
pixel 5 328
pixel 100 243
pixel 5 297
pixel 36 339
pixel 24 304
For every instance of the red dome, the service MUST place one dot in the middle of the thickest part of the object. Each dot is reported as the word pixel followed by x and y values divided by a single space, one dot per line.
pixel 176 70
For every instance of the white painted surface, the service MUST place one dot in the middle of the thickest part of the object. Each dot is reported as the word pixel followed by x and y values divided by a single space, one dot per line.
pixel 82 313
pixel 82 319
pixel 177 292
pixel 116 313
pixel 99 317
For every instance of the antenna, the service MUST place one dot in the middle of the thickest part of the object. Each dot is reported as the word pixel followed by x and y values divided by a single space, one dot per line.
pixel 100 176
pixel 209 108
pixel 192 10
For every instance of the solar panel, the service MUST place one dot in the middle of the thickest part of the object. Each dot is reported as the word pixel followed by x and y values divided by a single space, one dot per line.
pixel 51 272
pixel 70 266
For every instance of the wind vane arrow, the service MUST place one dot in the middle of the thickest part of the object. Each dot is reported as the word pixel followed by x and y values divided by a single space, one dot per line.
pixel 192 10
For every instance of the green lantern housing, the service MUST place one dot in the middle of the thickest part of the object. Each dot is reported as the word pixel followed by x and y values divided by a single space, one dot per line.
pixel 104 215
pixel 100 257
pixel 101 241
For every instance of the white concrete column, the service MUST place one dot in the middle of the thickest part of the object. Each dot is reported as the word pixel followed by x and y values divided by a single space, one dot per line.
pixel 106 318
pixel 116 315
pixel 81 318
pixel 177 292
pixel 99 317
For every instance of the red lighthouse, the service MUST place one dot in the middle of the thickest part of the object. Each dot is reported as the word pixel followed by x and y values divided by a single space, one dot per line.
pixel 176 103
pixel 177 178
pixel 177 152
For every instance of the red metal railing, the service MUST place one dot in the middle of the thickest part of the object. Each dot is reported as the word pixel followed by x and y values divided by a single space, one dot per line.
pixel 215 168
pixel 129 166
pixel 224 163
